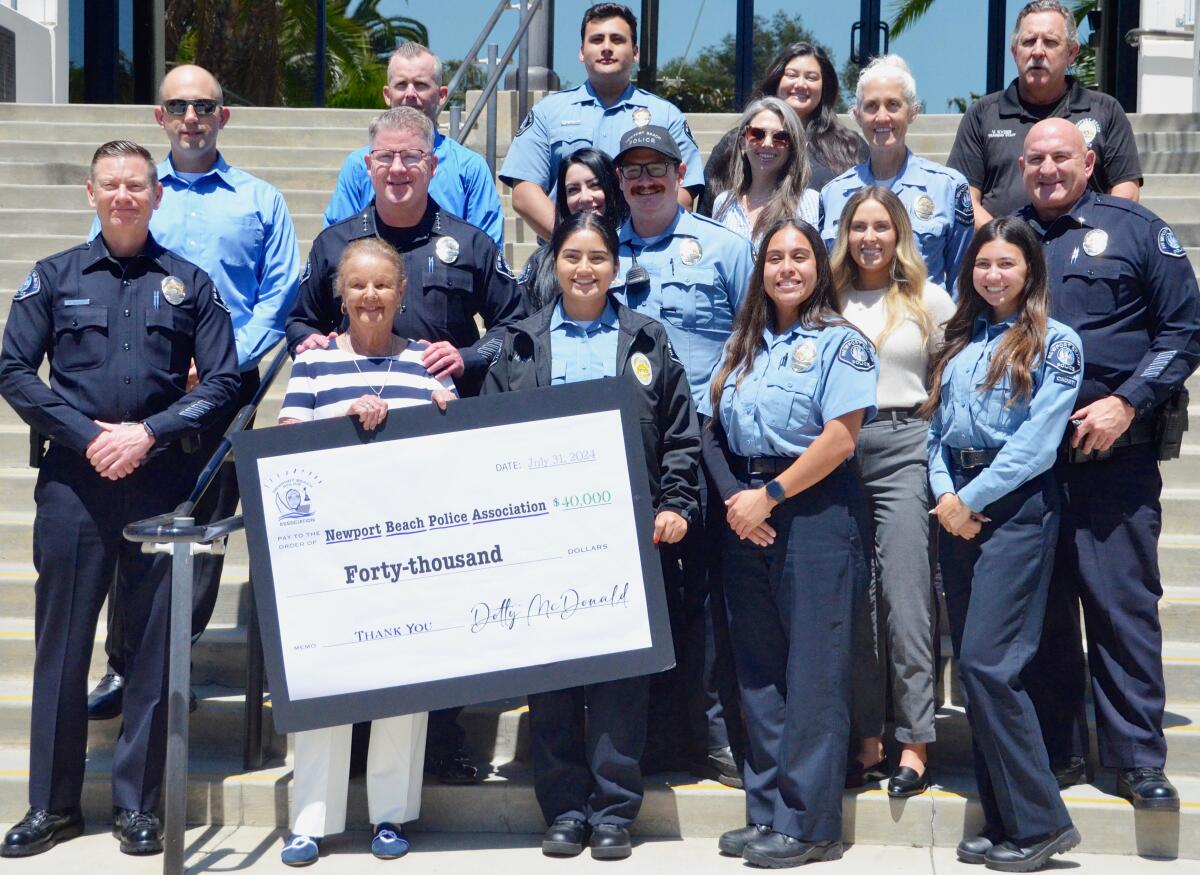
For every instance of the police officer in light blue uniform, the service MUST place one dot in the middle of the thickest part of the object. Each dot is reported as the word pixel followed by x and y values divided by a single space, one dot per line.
pixel 937 197
pixel 462 185
pixel 1005 383
pixel 796 384
pixel 597 114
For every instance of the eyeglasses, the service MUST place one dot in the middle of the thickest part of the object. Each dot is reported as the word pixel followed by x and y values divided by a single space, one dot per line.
pixel 202 105
pixel 409 157
pixel 757 136
pixel 655 169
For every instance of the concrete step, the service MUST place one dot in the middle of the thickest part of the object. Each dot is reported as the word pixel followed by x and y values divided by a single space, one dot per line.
pixel 133 114
pixel 147 133
pixel 1155 185
pixel 1181 508
pixel 285 177
pixel 1179 560
pixel 242 156
pixel 74 197
pixel 78 222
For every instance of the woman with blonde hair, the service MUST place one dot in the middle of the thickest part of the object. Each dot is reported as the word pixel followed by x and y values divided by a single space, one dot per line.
pixel 769 178
pixel 882 290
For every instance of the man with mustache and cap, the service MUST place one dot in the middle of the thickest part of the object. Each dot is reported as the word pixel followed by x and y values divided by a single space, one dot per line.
pixel 1045 43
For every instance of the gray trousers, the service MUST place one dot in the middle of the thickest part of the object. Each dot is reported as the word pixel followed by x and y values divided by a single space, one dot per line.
pixel 897 637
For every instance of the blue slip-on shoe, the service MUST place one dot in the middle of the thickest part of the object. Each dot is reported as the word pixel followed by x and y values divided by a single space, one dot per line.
pixel 389 842
pixel 300 851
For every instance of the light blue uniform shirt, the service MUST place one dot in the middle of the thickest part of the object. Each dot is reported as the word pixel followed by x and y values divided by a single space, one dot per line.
pixel 699 272
pixel 461 185
pixel 238 229
pixel 567 121
pixel 1028 431
pixel 578 353
pixel 802 379
pixel 938 200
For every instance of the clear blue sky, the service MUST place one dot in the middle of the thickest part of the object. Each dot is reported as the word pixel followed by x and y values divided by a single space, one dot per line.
pixel 947 50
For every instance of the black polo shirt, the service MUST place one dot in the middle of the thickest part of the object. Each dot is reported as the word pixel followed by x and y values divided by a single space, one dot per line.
pixel 991 138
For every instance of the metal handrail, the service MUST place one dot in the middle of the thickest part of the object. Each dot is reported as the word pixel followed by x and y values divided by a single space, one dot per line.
pixel 178 534
pixel 469 57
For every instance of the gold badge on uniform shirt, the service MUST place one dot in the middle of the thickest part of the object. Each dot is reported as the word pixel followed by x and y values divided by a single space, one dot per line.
pixel 173 290
pixel 803 357
pixel 641 116
pixel 1095 241
pixel 1089 128
pixel 923 207
pixel 690 252
pixel 447 250
pixel 641 368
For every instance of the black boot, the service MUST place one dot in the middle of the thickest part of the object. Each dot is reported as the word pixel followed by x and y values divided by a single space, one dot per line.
pixel 1147 789
pixel 40 830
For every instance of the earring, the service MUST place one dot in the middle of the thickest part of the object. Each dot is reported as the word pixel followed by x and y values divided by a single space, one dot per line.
pixel 343 308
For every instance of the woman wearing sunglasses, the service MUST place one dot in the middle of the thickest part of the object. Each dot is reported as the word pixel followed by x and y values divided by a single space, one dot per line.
pixel 769 182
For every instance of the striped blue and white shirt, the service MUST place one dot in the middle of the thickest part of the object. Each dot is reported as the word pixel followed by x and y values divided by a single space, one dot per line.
pixel 325 382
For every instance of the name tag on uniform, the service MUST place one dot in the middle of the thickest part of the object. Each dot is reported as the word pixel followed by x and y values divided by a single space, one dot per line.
pixel 77 302
pixel 569 121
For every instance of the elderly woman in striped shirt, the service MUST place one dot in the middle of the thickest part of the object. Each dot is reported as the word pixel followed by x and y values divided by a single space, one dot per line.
pixel 366 371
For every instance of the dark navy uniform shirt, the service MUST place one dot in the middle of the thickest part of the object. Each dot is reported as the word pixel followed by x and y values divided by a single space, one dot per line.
pixel 1120 278
pixel 454 272
pixel 991 137
pixel 120 335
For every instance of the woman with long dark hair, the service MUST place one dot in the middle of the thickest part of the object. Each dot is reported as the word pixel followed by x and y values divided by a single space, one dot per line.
pixel 1003 386
pixel 796 384
pixel 804 77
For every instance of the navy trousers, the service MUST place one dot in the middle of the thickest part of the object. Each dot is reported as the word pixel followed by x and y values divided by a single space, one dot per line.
pixel 77 548
pixel 1108 560
pixel 791 616
pixel 996 586
pixel 586 744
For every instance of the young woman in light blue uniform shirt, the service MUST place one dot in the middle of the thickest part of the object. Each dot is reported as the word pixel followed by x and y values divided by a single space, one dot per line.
pixel 1004 384
pixel 796 384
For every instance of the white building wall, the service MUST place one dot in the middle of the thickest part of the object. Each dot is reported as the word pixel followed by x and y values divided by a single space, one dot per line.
pixel 43 51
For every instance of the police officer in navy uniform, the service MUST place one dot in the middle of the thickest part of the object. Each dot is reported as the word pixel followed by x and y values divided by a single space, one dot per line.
pixel 120 318
pixel 455 273
pixel 987 147
pixel 1120 278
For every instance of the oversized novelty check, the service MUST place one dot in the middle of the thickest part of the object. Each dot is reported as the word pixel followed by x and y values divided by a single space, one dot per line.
pixel 497 549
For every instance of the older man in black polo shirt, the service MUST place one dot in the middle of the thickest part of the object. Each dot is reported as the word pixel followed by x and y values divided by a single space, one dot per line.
pixel 992 133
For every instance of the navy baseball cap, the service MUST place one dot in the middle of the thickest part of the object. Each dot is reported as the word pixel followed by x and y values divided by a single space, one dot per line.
pixel 649 137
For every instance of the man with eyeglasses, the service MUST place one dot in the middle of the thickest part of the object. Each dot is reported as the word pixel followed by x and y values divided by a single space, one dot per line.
pixel 238 228
pixel 463 184
pixel 595 114
pixel 689 273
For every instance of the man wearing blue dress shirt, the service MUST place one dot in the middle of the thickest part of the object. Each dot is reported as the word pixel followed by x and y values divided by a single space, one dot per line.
pixel 463 185
pixel 238 229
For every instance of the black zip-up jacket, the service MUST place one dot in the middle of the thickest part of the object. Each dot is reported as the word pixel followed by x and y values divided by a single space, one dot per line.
pixel 670 432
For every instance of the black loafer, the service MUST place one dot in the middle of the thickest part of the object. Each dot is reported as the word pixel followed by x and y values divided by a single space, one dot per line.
pixel 1147 789
pixel 732 843
pixel 40 830
pixel 139 831
pixel 104 701
pixel 857 774
pixel 1071 771
pixel 906 782
pixel 974 849
pixel 565 838
pixel 719 765
pixel 778 851
pixel 455 768
pixel 610 841
pixel 1010 856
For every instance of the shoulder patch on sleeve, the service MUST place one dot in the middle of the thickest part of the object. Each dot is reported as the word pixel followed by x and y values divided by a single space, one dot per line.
pixel 687 129
pixel 857 353
pixel 964 212
pixel 1168 243
pixel 1064 357
pixel 502 267
pixel 307 271
pixel 526 124
pixel 219 301
pixel 671 351
pixel 29 288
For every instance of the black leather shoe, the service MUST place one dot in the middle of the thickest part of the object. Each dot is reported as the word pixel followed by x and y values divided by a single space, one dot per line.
pixel 455 768
pixel 104 701
pixel 1071 771
pixel 974 850
pixel 610 842
pixel 1009 856
pixel 1147 789
pixel 565 838
pixel 40 830
pixel 778 851
pixel 719 765
pixel 732 843
pixel 139 831
pixel 857 774
pixel 906 782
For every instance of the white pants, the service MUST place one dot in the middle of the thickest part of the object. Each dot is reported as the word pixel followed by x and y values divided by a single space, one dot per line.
pixel 395 763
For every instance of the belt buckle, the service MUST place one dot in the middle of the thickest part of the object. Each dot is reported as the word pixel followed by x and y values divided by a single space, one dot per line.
pixel 969 457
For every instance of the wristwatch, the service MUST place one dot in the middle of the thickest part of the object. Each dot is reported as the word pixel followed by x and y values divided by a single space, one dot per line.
pixel 775 492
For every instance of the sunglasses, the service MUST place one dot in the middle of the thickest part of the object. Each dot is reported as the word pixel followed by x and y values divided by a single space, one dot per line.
pixel 202 105
pixel 655 169
pixel 757 136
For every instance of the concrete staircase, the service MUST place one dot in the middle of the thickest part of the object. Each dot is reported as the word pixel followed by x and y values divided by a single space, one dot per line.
pixel 44 153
